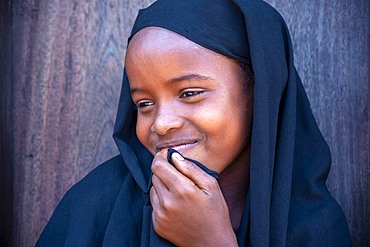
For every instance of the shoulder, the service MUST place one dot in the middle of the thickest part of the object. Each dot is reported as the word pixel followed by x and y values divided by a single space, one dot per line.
pixel 102 183
pixel 94 196
pixel 84 212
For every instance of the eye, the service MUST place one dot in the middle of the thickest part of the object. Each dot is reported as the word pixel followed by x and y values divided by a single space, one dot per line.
pixel 190 93
pixel 144 104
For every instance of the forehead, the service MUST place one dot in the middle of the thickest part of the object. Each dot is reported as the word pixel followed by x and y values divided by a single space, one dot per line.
pixel 155 37
pixel 152 41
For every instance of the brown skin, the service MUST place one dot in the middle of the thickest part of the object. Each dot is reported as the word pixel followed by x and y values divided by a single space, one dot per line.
pixel 194 100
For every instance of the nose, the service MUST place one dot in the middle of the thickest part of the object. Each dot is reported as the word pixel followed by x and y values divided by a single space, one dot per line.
pixel 166 120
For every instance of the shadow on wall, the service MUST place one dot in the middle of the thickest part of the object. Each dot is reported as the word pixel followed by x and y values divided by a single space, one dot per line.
pixel 6 181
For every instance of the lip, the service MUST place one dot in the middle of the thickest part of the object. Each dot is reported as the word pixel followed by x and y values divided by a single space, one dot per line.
pixel 180 145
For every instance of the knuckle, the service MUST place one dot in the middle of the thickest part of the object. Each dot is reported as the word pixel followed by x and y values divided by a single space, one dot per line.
pixel 158 161
pixel 162 154
pixel 185 191
pixel 152 193
pixel 159 216
pixel 167 206
pixel 157 222
pixel 160 219
pixel 211 183
pixel 156 167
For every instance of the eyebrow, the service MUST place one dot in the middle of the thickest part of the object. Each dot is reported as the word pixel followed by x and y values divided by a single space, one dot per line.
pixel 188 77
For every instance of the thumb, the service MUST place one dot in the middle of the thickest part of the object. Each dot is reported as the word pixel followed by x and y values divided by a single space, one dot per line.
pixel 200 165
pixel 193 171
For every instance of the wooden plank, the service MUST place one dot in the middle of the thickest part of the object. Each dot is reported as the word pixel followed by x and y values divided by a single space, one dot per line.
pixel 67 75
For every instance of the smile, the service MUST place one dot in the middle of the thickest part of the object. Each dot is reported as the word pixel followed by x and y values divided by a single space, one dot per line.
pixel 179 146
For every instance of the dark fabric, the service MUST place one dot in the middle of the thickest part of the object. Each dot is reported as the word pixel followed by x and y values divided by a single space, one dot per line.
pixel 202 22
pixel 288 203
pixel 200 165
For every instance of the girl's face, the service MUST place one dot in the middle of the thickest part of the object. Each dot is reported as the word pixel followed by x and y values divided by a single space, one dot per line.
pixel 189 98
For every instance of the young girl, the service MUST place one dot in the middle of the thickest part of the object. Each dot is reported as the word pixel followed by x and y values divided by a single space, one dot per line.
pixel 218 145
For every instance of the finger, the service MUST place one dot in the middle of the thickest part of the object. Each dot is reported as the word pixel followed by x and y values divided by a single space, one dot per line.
pixel 161 189
pixel 160 166
pixel 199 177
pixel 167 174
pixel 154 199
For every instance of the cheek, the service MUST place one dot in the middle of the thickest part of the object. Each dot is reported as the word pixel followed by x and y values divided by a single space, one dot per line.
pixel 209 120
pixel 143 131
pixel 215 120
pixel 230 123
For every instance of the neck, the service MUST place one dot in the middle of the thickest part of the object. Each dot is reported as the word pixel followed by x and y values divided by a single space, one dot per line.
pixel 234 184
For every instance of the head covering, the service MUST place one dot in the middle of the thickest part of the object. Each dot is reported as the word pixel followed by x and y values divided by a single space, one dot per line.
pixel 290 161
pixel 288 203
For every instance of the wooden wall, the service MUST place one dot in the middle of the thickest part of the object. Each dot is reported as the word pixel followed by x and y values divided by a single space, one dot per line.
pixel 67 59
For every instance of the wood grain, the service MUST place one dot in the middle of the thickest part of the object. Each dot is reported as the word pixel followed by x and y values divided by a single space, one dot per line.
pixel 66 78
pixel 67 75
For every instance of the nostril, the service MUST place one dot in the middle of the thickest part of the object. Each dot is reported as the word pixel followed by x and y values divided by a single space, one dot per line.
pixel 166 122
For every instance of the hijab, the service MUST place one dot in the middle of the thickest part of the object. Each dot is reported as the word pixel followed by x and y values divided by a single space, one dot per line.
pixel 288 203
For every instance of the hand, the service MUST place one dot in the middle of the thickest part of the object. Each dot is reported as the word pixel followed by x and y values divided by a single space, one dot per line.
pixel 188 206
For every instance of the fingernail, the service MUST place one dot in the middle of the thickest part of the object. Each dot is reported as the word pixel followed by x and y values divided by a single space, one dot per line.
pixel 178 156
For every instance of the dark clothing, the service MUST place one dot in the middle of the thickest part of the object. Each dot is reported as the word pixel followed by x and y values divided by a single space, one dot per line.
pixel 288 203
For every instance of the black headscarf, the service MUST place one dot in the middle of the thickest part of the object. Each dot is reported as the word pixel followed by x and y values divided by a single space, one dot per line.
pixel 288 202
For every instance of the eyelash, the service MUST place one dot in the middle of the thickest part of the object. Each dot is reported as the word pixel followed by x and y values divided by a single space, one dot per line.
pixel 188 94
pixel 183 95
pixel 144 104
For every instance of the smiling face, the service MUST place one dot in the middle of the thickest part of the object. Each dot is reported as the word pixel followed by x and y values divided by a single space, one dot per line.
pixel 189 98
